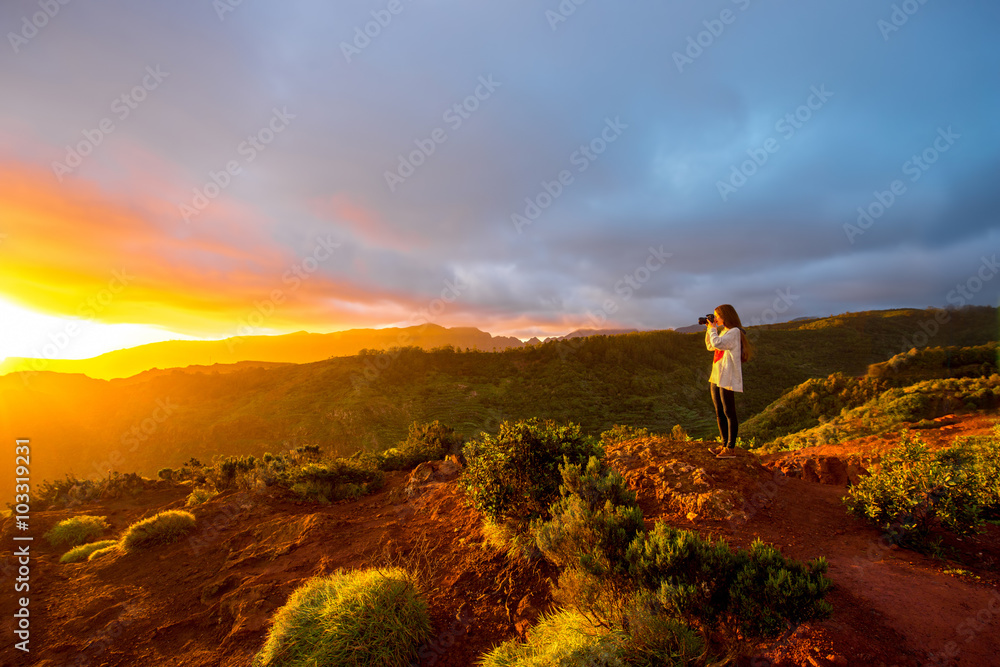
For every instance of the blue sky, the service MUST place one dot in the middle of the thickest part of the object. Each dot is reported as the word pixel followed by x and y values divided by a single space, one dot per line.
pixel 515 166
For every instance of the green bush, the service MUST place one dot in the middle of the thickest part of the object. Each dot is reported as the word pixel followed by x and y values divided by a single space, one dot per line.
pixel 593 522
pixel 229 472
pixel 335 480
pixel 199 495
pixel 349 619
pixel 162 528
pixel 428 442
pixel 83 551
pixel 916 491
pixel 76 530
pixel 515 474
pixel 755 594
pixel 620 433
pixel 566 638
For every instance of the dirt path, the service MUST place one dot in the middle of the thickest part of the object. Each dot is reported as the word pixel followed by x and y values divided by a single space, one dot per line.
pixel 891 605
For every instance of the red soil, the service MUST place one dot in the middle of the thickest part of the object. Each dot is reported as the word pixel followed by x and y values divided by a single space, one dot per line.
pixel 207 600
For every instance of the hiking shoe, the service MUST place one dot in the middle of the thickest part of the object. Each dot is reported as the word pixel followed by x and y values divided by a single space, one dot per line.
pixel 726 453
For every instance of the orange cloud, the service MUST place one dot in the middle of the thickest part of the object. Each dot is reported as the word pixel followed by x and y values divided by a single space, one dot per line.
pixel 72 249
pixel 364 223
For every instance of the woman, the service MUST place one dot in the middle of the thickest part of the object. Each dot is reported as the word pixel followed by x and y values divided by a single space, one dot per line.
pixel 732 350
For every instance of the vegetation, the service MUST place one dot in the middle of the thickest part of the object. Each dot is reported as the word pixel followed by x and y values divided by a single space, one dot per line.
pixel 426 442
pixel 665 596
pixel 566 638
pixel 804 414
pixel 103 552
pixel 83 551
pixel 199 495
pixel 353 619
pixel 71 491
pixel 652 379
pixel 515 474
pixel 76 530
pixel 162 528
pixel 917 493
pixel 910 406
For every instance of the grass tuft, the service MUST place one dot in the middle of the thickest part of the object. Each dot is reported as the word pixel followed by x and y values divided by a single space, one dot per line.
pixel 565 638
pixel 350 619
pixel 163 528
pixel 83 551
pixel 114 548
pixel 77 530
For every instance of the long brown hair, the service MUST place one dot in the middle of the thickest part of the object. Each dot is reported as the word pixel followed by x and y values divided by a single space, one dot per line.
pixel 731 320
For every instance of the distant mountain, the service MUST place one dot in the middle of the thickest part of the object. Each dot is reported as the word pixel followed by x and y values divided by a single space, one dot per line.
pixel 586 333
pixel 296 348
pixel 654 379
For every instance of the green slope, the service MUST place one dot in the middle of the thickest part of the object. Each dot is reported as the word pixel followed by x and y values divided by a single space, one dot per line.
pixel 650 379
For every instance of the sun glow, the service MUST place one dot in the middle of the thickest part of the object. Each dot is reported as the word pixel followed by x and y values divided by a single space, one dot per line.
pixel 28 333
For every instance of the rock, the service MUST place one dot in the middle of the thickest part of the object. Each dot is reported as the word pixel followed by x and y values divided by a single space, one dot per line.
pixel 430 472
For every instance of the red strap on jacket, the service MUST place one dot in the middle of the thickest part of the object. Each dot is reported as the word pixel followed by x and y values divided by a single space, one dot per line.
pixel 718 355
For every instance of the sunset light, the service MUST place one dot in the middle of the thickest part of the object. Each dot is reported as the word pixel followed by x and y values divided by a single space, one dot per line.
pixel 513 333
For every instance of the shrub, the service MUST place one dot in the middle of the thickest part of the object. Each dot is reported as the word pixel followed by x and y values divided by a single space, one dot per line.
pixel 162 528
pixel 424 443
pixel 165 474
pixel 199 495
pixel 231 471
pixel 360 618
pixel 566 638
pixel 755 594
pixel 916 491
pixel 335 480
pixel 83 551
pixel 593 522
pixel 76 530
pixel 620 433
pixel 515 474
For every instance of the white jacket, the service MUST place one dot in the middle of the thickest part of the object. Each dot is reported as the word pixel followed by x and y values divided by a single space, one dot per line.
pixel 727 372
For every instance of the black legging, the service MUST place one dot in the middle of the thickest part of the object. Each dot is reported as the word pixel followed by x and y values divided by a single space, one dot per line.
pixel 724 401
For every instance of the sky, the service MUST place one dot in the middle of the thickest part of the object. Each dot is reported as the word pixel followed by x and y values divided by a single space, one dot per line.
pixel 219 168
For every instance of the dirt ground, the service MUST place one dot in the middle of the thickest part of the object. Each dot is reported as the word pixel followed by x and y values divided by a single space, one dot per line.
pixel 207 600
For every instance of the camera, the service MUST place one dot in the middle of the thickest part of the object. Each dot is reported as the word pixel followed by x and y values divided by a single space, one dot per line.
pixel 710 318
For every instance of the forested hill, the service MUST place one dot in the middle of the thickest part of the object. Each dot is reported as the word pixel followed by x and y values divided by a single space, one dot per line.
pixel 651 379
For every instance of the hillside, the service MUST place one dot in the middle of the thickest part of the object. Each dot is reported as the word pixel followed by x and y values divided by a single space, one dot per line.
pixel 820 400
pixel 651 379
pixel 208 600
pixel 298 348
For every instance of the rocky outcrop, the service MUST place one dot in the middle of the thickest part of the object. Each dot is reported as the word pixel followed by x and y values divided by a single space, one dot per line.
pixel 835 470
